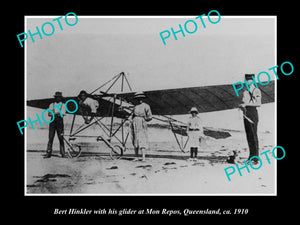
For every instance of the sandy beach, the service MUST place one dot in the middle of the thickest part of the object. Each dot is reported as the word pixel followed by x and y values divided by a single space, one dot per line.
pixel 166 171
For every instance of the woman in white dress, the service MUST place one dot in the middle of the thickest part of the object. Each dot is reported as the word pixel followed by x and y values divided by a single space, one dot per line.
pixel 141 115
pixel 194 131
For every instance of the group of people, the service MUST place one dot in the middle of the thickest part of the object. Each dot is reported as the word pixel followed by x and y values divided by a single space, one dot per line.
pixel 142 114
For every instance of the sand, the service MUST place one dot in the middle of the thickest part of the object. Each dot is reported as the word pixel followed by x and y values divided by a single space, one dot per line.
pixel 166 171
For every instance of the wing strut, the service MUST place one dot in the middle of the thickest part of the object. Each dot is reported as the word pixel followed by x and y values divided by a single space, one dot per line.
pixel 116 104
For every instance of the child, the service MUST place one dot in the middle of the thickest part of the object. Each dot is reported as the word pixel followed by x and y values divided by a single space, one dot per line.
pixel 194 132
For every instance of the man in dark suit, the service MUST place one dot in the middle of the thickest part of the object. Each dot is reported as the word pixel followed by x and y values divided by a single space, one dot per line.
pixel 57 125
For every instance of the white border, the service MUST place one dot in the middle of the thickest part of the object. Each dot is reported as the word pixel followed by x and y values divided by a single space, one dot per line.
pixel 143 194
pixel 25 113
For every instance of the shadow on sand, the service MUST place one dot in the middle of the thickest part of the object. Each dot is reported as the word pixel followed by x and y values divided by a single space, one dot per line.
pixel 130 157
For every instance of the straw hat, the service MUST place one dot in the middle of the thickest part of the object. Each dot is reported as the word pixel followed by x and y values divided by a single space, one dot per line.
pixel 139 95
pixel 194 109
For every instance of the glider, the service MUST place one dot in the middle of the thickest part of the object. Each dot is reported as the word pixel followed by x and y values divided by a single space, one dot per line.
pixel 164 104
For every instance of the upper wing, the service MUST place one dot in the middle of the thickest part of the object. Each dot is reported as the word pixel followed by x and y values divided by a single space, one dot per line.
pixel 105 105
pixel 175 101
pixel 206 98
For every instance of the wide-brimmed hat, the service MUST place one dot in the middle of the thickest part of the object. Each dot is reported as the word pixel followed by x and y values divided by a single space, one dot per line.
pixel 194 109
pixel 249 76
pixel 139 95
pixel 57 94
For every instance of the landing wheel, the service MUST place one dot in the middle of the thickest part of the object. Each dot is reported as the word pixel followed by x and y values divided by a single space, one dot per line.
pixel 74 150
pixel 116 152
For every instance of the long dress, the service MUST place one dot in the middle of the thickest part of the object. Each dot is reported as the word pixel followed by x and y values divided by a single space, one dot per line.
pixel 141 114
pixel 195 130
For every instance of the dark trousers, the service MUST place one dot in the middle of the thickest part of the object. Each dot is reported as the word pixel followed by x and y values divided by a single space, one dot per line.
pixel 194 151
pixel 251 130
pixel 58 126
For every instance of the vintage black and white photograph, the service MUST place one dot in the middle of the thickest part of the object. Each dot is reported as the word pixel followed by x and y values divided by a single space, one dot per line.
pixel 150 105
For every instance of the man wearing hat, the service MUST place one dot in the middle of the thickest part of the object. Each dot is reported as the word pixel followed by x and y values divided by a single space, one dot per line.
pixel 194 132
pixel 141 115
pixel 251 100
pixel 57 125
pixel 88 106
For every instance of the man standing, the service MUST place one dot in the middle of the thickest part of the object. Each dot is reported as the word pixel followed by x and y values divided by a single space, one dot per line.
pixel 251 100
pixel 57 125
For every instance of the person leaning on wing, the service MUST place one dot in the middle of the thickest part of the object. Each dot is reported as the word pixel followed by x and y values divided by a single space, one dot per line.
pixel 88 106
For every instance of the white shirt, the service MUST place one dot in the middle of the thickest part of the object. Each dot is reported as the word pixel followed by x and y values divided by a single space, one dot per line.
pixel 143 110
pixel 93 104
pixel 59 110
pixel 255 100
pixel 195 123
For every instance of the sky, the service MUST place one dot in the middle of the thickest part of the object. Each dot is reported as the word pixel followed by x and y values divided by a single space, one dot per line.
pixel 86 55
